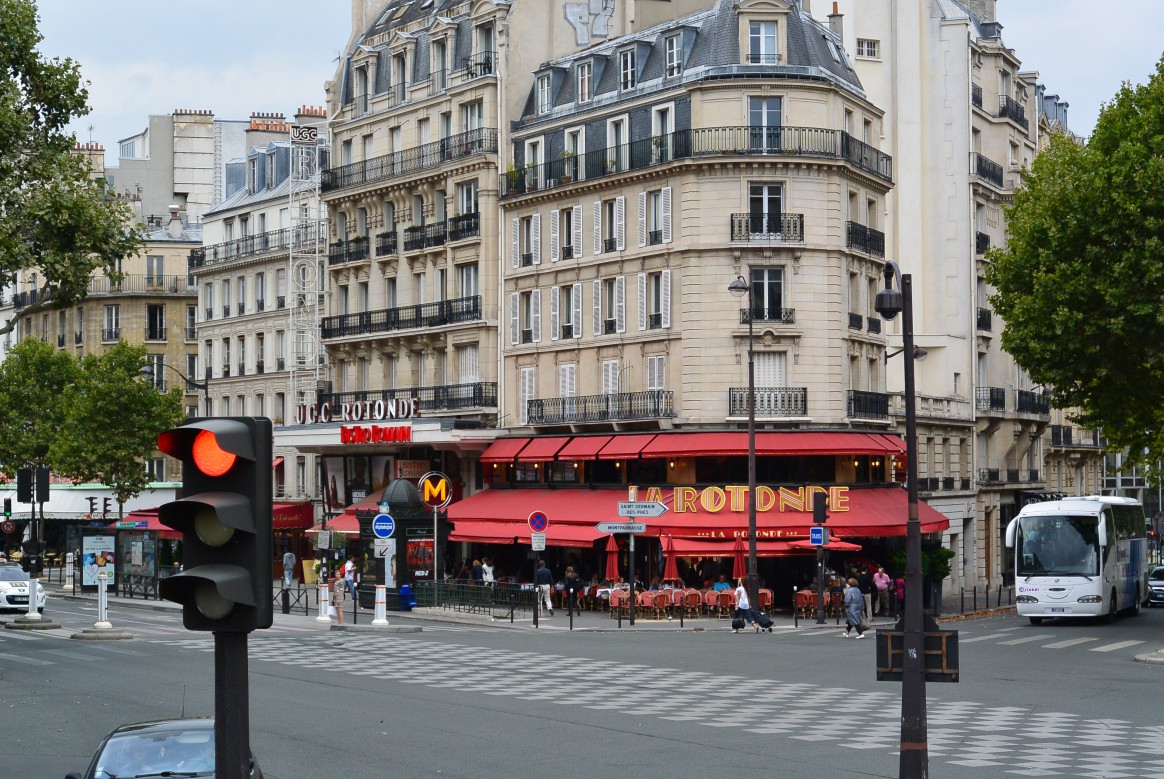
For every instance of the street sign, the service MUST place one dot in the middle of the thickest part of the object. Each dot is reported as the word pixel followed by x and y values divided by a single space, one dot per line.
pixel 383 526
pixel 621 527
pixel 8 526
pixel 435 490
pixel 381 547
pixel 641 508
pixel 538 521
pixel 537 542
pixel 324 540
pixel 818 535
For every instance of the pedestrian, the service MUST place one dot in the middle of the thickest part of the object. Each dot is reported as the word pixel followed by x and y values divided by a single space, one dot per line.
pixel 898 596
pixel 545 583
pixel 478 572
pixel 865 584
pixel 854 609
pixel 573 588
pixel 743 611
pixel 882 582
pixel 487 571
pixel 337 598
pixel 350 576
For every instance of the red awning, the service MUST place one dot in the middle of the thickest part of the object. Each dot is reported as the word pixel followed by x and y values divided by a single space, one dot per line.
pixel 698 547
pixel 276 462
pixel 771 444
pixel 695 444
pixel 344 523
pixel 292 516
pixel 519 532
pixel 832 546
pixel 503 450
pixel 562 507
pixel 145 519
pixel 541 450
pixel 622 447
pixel 583 447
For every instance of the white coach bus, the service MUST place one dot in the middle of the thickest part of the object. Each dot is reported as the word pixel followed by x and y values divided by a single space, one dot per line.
pixel 1079 557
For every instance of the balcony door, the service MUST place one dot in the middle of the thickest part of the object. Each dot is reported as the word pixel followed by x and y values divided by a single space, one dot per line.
pixel 764 119
pixel 765 205
pixel 767 294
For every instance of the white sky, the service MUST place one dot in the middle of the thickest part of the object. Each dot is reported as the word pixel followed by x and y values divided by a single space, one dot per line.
pixel 153 57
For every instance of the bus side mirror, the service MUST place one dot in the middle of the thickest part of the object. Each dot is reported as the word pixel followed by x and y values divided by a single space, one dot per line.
pixel 1010 528
pixel 1102 532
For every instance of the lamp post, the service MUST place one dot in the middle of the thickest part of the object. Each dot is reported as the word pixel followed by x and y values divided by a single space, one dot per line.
pixel 739 288
pixel 147 372
pixel 914 759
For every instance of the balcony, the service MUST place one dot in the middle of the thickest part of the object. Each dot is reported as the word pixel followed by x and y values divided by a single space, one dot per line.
pixel 787 228
pixel 481 64
pixel 783 316
pixel 771 402
pixel 417 159
pixel 128 284
pixel 990 399
pixel 259 367
pixel 865 239
pixel 527 259
pixel 111 334
pixel 617 406
pixel 1065 435
pixel 976 95
pixel 281 302
pixel 425 236
pixel 386 320
pixel 259 304
pixel 984 322
pixel 272 241
pixel 1013 110
pixel 448 397
pixel 152 333
pixel 654 237
pixel 868 405
pixel 1027 402
pixel 988 169
pixel 567 331
pixel 79 337
pixel 242 369
pixel 352 250
pixel 568 252
pixel 698 142
pixel 464 226
pixel 654 321
pixel 386 243
pixel 981 243
pixel 280 364
pixel 60 340
pixel 989 476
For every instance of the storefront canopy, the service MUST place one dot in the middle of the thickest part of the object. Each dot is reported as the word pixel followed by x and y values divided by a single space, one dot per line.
pixel 772 444
pixel 519 533
pixel 696 547
pixel 292 516
pixel 145 519
pixel 503 450
pixel 344 523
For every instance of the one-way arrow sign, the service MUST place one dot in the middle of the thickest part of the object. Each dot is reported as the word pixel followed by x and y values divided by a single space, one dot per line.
pixel 641 508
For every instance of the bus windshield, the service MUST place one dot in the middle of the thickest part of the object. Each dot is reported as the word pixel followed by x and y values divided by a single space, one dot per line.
pixel 1057 546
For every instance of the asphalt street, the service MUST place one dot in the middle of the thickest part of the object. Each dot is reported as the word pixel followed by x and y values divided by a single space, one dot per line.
pixel 474 698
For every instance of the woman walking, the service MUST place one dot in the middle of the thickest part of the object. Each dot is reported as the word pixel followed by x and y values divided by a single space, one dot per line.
pixel 854 609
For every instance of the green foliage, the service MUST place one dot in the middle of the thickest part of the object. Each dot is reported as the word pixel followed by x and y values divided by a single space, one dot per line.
pixel 33 379
pixel 935 563
pixel 1081 283
pixel 113 418
pixel 54 219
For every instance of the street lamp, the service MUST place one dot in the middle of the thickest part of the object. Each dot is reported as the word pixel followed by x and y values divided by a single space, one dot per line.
pixel 914 759
pixel 147 372
pixel 739 288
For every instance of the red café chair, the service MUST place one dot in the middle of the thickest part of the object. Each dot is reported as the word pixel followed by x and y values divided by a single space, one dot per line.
pixel 709 602
pixel 692 603
pixel 619 603
pixel 766 598
pixel 676 599
pixel 725 603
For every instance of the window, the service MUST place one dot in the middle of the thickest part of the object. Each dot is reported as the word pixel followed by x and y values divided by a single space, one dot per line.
pixel 241 288
pixel 526 390
pixel 439 64
pixel 628 73
pixel 764 120
pixel 155 270
pixel 156 364
pixel 242 356
pixel 260 290
pixel 156 469
pixel 764 209
pixel 468 364
pixel 609 306
pixel 611 377
pixel 111 331
pixel 526 241
pixel 616 142
pixel 467 197
pixel 525 314
pixel 467 280
pixel 655 217
pixel 252 174
pixel 269 170
pixel 208 300
pixel 155 322
pixel 656 373
pixel 868 49
pixel 79 334
pixel 768 294
pixel 673 54
pixel 762 43
pixel 544 94
pixel 585 73
pixel 565 234
pixel 226 297
pixel 610 225
pixel 655 300
pixel 771 371
pixel 471 115
pixel 566 311
pixel 260 352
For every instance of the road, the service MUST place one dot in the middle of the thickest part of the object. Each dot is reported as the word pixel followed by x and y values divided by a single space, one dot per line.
pixel 1059 699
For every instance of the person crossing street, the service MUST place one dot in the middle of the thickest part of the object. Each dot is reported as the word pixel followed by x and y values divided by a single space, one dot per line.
pixel 545 584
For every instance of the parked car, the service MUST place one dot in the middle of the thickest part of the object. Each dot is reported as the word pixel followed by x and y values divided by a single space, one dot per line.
pixel 14 589
pixel 1156 586
pixel 176 747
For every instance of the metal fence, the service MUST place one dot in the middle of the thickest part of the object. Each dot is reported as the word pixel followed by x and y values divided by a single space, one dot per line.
pixel 500 600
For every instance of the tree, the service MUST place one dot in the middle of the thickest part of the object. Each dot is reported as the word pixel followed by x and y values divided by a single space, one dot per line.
pixel 33 380
pixel 1080 284
pixel 112 419
pixel 54 218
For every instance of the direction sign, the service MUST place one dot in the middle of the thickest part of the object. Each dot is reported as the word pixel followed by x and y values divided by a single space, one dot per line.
pixel 435 490
pixel 383 526
pixel 641 508
pixel 382 545
pixel 538 521
pixel 537 542
pixel 818 535
pixel 621 527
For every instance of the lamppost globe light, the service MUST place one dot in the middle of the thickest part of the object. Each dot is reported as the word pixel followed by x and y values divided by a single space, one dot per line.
pixel 739 287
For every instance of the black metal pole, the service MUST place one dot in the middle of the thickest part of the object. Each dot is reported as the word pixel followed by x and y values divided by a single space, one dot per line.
pixel 232 726
pixel 753 587
pixel 820 586
pixel 914 760
pixel 631 567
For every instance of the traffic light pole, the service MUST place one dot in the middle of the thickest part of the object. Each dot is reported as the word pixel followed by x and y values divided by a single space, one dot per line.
pixel 232 723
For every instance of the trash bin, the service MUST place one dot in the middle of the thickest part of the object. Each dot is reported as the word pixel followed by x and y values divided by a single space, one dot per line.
pixel 407 599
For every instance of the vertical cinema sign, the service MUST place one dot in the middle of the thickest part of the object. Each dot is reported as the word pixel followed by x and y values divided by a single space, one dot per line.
pixel 734 497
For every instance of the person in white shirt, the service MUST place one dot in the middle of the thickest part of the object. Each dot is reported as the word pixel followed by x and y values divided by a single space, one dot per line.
pixel 743 607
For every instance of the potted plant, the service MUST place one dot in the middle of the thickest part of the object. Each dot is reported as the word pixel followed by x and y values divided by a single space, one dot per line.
pixel 567 158
pixel 511 175
pixel 531 176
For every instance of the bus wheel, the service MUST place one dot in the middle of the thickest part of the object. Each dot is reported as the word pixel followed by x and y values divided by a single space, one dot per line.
pixel 1112 608
pixel 1135 609
pixel 1036 620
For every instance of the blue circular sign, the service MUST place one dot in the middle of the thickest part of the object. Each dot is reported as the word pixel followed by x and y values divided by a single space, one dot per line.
pixel 383 526
pixel 538 521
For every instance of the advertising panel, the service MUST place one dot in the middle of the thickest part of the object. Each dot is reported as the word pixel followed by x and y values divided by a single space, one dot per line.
pixel 97 555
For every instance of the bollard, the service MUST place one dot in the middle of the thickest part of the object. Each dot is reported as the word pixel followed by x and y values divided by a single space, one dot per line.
pixel 32 612
pixel 286 601
pixel 962 600
pixel 324 602
pixel 998 603
pixel 381 617
pixel 795 610
pixel 976 597
pixel 512 607
pixel 570 606
pixel 537 605
pixel 102 622
pixel 68 576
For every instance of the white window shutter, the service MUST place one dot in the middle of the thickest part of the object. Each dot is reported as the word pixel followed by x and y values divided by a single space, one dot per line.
pixel 535 238
pixel 555 244
pixel 610 377
pixel 554 318
pixel 597 307
pixel 527 394
pixel 666 204
pixel 642 301
pixel 535 314
pixel 576 299
pixel 620 222
pixel 566 378
pixel 642 219
pixel 514 319
pixel 577 224
pixel 515 245
pixel 665 298
pixel 620 304
pixel 656 370
pixel 597 228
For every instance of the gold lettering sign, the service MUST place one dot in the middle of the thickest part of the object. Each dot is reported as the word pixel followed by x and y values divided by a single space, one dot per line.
pixel 735 498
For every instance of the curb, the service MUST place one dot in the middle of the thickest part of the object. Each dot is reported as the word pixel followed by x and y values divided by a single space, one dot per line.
pixel 1153 658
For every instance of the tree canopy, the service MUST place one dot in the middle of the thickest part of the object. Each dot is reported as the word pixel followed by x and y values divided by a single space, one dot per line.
pixel 54 218
pixel 1080 284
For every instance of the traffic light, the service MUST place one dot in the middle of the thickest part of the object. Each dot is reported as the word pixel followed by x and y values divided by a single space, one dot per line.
pixel 8 508
pixel 820 505
pixel 224 515
pixel 24 485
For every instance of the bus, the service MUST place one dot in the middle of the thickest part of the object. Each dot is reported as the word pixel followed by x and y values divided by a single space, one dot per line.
pixel 1079 557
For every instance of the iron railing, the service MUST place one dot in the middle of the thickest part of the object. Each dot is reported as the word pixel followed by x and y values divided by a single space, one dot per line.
pixel 990 398
pixel 771 402
pixel 417 158
pixel 110 333
pixel 984 316
pixel 988 169
pixel 768 227
pixel 981 243
pixel 865 239
pixel 464 226
pixel 384 320
pixel 480 394
pixel 500 600
pixel 426 236
pixel 128 284
pixel 868 405
pixel 615 406
pixel 385 243
pixel 783 316
pixel 481 64
pixel 351 250
pixel 1065 435
pixel 260 243
pixel 1013 110
pixel 873 324
pixel 976 95
pixel 1028 402
pixel 856 321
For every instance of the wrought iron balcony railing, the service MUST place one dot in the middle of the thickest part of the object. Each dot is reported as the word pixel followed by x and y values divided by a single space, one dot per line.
pixel 260 243
pixel 868 405
pixel 351 250
pixel 771 402
pixel 981 243
pixel 976 95
pixel 385 243
pixel 129 284
pixel 446 397
pixel 1065 435
pixel 990 399
pixel 110 333
pixel 617 406
pixel 426 236
pixel 988 169
pixel 768 227
pixel 385 320
pixel 984 317
pixel 1028 402
pixel 418 158
pixel 865 239
pixel 464 226
pixel 1013 110
pixel 783 316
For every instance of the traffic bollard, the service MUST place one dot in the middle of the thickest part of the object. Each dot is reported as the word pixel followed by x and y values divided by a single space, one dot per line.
pixel 324 602
pixel 381 617
pixel 102 622
pixel 795 610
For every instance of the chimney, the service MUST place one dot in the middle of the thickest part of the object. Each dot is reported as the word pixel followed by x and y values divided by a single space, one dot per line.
pixel 175 226
pixel 835 19
pixel 983 9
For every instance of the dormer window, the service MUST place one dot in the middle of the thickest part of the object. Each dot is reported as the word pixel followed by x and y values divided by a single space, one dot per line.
pixel 628 71
pixel 544 94
pixel 252 174
pixel 585 81
pixel 270 171
pixel 762 43
pixel 673 52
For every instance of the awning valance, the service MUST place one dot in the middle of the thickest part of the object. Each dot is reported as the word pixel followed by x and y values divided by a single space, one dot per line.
pixel 541 450
pixel 772 444
pixel 519 533
pixel 697 547
pixel 292 516
pixel 584 447
pixel 503 450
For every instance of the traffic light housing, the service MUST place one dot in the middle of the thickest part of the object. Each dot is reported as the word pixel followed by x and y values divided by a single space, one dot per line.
pixel 224 514
pixel 8 508
pixel 820 505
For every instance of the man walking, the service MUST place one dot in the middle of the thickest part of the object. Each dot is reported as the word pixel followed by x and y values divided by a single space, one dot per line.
pixel 545 583
pixel 882 581
pixel 865 584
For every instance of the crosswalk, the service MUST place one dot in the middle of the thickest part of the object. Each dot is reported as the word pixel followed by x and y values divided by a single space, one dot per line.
pixel 1016 637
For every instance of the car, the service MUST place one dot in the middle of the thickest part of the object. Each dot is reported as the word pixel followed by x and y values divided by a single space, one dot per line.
pixel 14 589
pixel 175 747
pixel 1156 586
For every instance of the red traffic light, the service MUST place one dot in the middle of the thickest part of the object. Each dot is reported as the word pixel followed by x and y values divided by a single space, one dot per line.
pixel 208 456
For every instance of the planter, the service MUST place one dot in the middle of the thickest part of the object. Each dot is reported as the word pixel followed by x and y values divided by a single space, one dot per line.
pixel 565 180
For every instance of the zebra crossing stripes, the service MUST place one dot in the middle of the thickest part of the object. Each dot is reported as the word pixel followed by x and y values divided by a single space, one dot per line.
pixel 1069 642
pixel 1115 646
